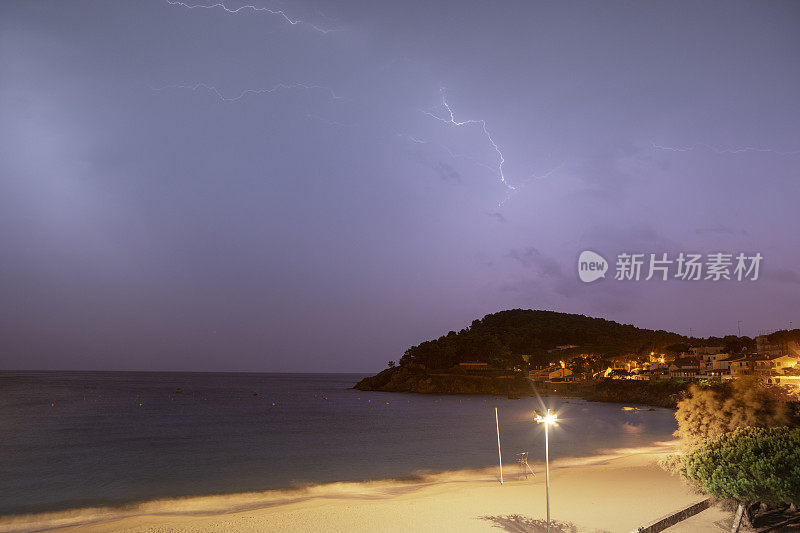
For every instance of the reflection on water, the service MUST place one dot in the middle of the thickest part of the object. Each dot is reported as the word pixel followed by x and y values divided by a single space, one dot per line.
pixel 72 439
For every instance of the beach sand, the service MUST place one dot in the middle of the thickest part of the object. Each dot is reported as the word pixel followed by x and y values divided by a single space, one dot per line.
pixel 617 492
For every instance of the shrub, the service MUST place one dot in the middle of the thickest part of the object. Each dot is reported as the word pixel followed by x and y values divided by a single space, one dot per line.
pixel 710 413
pixel 749 465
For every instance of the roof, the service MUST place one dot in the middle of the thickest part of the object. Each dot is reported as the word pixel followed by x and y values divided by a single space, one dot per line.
pixel 773 357
pixel 749 358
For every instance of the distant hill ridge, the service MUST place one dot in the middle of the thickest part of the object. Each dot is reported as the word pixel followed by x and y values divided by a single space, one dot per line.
pixel 505 340
pixel 502 338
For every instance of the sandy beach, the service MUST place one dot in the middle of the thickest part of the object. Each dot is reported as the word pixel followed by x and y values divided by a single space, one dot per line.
pixel 617 492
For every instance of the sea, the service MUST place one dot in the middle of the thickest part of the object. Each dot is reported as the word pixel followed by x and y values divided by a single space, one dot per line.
pixel 76 439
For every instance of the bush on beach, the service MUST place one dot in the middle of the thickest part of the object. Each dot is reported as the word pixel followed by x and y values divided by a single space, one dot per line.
pixel 749 464
pixel 708 413
pixel 740 443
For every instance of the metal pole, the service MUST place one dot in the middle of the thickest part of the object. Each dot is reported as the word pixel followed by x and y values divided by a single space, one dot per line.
pixel 547 471
pixel 499 455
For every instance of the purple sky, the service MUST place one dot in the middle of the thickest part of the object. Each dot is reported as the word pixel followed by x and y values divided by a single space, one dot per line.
pixel 151 223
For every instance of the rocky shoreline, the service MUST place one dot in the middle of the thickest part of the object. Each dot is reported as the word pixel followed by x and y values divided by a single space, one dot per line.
pixel 662 393
pixel 401 379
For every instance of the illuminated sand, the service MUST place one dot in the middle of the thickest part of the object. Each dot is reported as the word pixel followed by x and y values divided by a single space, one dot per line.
pixel 616 492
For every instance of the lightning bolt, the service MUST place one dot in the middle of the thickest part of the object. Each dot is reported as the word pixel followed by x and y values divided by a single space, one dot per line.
pixel 247 92
pixel 279 12
pixel 451 119
pixel 717 150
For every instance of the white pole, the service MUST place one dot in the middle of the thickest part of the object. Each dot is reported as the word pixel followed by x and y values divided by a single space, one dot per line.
pixel 547 471
pixel 499 455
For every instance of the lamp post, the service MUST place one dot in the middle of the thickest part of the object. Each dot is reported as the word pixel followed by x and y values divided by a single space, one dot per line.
pixel 548 420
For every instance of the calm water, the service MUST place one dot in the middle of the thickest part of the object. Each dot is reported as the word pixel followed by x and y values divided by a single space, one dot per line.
pixel 81 438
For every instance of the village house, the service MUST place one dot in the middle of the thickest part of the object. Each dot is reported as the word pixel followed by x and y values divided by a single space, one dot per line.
pixel 742 366
pixel 541 374
pixel 721 367
pixel 627 365
pixel 699 351
pixel 776 349
pixel 685 367
pixel 715 364
pixel 560 375
pixel 783 362
pixel 775 365
pixel 767 348
pixel 784 370
pixel 762 365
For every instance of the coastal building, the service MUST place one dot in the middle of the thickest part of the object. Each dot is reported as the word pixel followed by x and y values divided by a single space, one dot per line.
pixel 560 375
pixel 766 347
pixel 774 365
pixel 714 364
pixel 720 367
pixel 627 365
pixel 742 366
pixel 779 369
pixel 686 367
pixel 541 374
pixel 783 362
pixel 661 372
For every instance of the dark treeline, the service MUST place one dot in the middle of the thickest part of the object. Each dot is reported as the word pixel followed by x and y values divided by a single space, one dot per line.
pixel 501 338
pixel 784 335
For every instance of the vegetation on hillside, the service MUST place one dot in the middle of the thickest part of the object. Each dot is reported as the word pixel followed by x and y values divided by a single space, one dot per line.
pixel 501 339
pixel 784 336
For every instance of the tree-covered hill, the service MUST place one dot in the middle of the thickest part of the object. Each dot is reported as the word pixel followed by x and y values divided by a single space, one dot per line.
pixel 784 336
pixel 501 338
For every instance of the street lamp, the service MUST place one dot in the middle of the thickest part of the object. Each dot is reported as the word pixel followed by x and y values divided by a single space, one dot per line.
pixel 548 420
